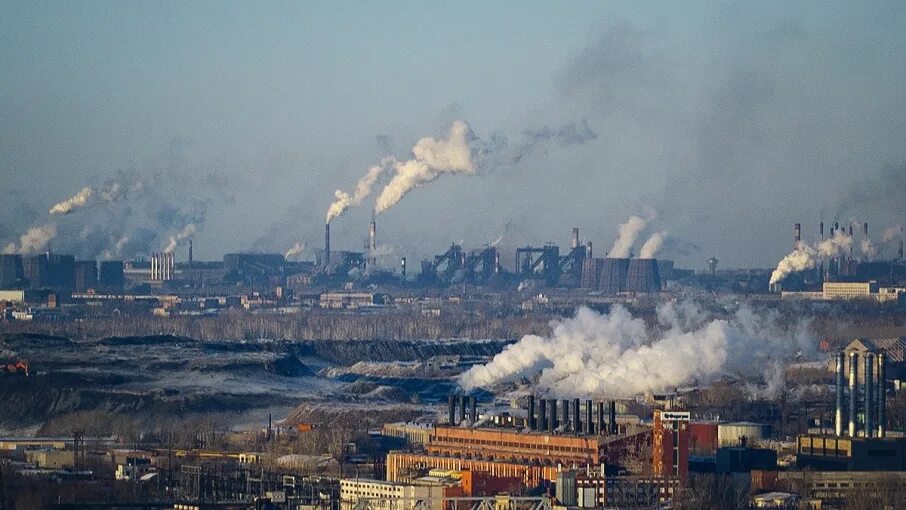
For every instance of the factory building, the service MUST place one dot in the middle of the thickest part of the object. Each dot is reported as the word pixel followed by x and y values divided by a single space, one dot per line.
pixel 382 495
pixel 86 275
pixel 869 291
pixel 11 271
pixel 671 434
pixel 111 276
pixel 830 453
pixel 405 466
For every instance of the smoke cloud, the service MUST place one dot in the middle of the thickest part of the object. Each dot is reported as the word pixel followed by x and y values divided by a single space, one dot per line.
pixel 187 232
pixel 74 202
pixel 805 256
pixel 653 245
pixel 33 241
pixel 431 158
pixel 628 233
pixel 295 252
pixel 363 189
pixel 618 355
pixel 564 136
pixel 891 233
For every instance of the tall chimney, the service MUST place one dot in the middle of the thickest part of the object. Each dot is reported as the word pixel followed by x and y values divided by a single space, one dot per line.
pixel 589 426
pixel 900 251
pixel 531 413
pixel 838 416
pixel 602 429
pixel 797 233
pixel 552 420
pixel 577 422
pixel 575 237
pixel 865 229
pixel 473 409
pixel 464 405
pixel 853 392
pixel 326 246
pixel 588 251
pixel 564 417
pixel 372 241
pixel 613 417
pixel 542 414
pixel 821 229
pixel 869 394
pixel 882 394
pixel 190 254
pixel 403 267
pixel 451 409
pixel 496 261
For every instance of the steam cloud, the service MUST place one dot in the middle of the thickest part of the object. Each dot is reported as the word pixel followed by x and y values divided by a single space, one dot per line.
pixel 295 251
pixel 805 256
pixel 890 233
pixel 628 233
pixel 74 202
pixel 363 189
pixel 33 241
pixel 564 136
pixel 617 355
pixel 431 159
pixel 187 232
pixel 653 245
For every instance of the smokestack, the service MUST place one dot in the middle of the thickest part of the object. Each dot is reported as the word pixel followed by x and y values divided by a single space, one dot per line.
pixel 900 251
pixel 190 254
pixel 326 246
pixel 853 392
pixel 552 420
pixel 531 413
pixel 869 394
pixel 613 417
pixel 589 426
pixel 403 267
pixel 575 237
pixel 882 394
pixel 464 404
pixel 865 229
pixel 451 409
pixel 577 423
pixel 564 417
pixel 838 416
pixel 797 234
pixel 496 261
pixel 473 409
pixel 588 251
pixel 602 430
pixel 542 414
pixel 821 229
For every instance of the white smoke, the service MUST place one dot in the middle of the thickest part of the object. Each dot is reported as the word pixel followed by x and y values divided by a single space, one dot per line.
pixel 187 232
pixel 805 256
pixel 496 242
pixel 653 245
pixel 363 188
pixel 74 202
pixel 869 250
pixel 33 241
pixel 617 355
pixel 891 233
pixel 295 252
pixel 431 158
pixel 628 233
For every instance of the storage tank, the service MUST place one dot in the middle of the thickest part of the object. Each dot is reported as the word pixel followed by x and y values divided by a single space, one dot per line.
pixel 733 434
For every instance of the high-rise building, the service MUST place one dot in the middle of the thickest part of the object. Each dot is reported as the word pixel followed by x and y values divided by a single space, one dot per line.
pixel 671 444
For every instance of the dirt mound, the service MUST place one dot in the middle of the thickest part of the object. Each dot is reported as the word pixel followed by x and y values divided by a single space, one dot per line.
pixel 145 340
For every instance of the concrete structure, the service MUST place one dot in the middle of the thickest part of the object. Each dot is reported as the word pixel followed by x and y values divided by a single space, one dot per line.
pixel 670 457
pixel 414 433
pixel 383 495
pixel 643 276
pixel 742 433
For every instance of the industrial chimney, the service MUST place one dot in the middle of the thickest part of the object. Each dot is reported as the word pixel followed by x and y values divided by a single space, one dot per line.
pixel 602 430
pixel 869 394
pixel 588 250
pixel 797 234
pixel 882 394
pixel 838 416
pixel 900 251
pixel 575 237
pixel 853 392
pixel 326 247
pixel 190 254
pixel 613 417
pixel 542 414
pixel 589 426
pixel 531 413
pixel 821 229
pixel 577 424
pixel 403 267
pixel 372 241
pixel 451 409
pixel 865 229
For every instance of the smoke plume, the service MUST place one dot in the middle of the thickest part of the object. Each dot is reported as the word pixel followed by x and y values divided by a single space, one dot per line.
pixel 805 256
pixel 295 251
pixel 628 233
pixel 869 250
pixel 431 158
pixel 183 235
pixel 74 202
pixel 33 241
pixel 891 233
pixel 653 245
pixel 363 188
pixel 564 136
pixel 618 355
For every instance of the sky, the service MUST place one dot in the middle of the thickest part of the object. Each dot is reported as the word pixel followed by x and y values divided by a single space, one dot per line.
pixel 725 122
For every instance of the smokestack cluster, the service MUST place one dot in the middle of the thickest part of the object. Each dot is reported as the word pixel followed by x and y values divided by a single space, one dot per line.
pixel 162 265
pixel 869 404
pixel 545 418
pixel 462 409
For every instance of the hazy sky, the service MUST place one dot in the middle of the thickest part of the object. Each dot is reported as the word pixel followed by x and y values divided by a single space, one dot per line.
pixel 731 120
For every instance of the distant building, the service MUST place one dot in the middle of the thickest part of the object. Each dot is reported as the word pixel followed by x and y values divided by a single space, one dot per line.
pixel 111 276
pixel 11 271
pixel 853 291
pixel 381 495
pixel 86 275
pixel 350 299
pixel 831 453
pixel 671 444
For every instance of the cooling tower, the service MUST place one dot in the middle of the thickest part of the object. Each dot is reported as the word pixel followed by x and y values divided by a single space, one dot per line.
pixel 613 275
pixel 643 276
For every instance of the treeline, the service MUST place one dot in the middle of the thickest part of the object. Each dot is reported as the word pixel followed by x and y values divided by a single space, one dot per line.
pixel 308 325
